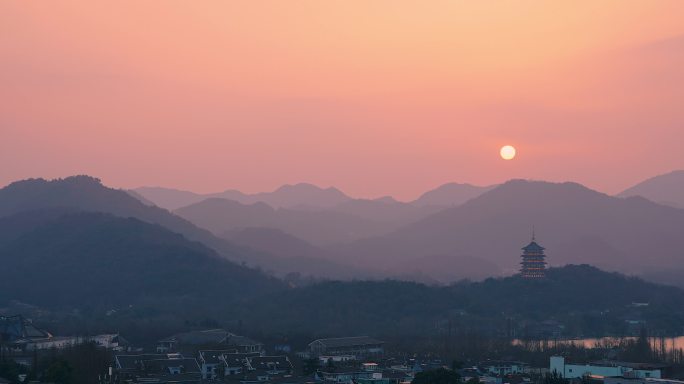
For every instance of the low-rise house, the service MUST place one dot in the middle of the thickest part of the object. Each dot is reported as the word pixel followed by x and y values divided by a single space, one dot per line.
pixel 109 341
pixel 157 368
pixel 19 335
pixel 343 377
pixel 235 363
pixel 272 365
pixel 336 359
pixel 254 377
pixel 16 328
pixel 360 346
pixel 365 377
pixel 171 366
pixel 376 378
pixel 208 338
pixel 397 377
pixel 133 363
pixel 606 368
pixel 210 361
pixel 244 344
pixel 502 367
pixel 370 367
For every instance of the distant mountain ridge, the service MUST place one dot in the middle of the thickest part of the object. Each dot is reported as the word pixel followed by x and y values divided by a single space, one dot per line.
pixel 319 216
pixel 574 223
pixel 287 196
pixel 287 248
pixel 386 210
pixel 374 238
pixel 85 193
pixel 315 226
pixel 306 195
pixel 451 194
pixel 665 189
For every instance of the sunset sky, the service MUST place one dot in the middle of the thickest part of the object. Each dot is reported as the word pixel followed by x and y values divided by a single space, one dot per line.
pixel 373 97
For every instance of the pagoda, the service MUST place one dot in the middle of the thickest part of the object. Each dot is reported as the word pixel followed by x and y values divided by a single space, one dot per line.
pixel 533 264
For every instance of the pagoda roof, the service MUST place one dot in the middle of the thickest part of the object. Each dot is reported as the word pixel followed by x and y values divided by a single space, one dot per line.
pixel 533 247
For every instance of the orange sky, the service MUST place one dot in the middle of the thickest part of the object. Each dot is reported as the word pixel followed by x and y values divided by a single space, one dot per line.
pixel 374 97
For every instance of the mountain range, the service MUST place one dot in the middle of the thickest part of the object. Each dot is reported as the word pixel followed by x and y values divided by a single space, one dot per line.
pixel 74 246
pixel 305 195
pixel 302 194
pixel 345 238
pixel 87 194
pixel 431 240
pixel 483 236
pixel 316 215
pixel 314 226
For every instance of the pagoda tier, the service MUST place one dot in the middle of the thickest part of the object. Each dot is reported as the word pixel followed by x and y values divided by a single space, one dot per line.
pixel 533 264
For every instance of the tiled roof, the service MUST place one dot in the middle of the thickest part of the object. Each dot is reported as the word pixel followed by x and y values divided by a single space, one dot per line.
pixel 237 359
pixel 240 341
pixel 163 365
pixel 269 362
pixel 209 336
pixel 533 247
pixel 347 341
pixel 214 356
pixel 129 362
pixel 18 327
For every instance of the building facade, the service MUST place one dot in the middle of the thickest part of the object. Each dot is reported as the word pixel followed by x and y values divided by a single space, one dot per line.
pixel 360 346
pixel 567 370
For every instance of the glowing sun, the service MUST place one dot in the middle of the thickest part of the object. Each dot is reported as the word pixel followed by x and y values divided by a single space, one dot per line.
pixel 507 152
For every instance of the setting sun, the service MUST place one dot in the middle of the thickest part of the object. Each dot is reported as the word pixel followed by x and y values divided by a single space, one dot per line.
pixel 507 152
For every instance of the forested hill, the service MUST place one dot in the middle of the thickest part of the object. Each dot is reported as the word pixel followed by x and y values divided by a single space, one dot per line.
pixel 584 299
pixel 87 264
pixel 63 260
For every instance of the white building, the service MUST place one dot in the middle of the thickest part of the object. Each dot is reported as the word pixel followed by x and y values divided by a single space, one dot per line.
pixel 502 367
pixel 603 368
pixel 109 341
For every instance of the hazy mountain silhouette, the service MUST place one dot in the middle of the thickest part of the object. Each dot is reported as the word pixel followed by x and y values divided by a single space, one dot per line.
pixel 311 260
pixel 480 238
pixel 140 197
pixel 57 259
pixel 386 210
pixel 310 198
pixel 167 198
pixel 314 226
pixel 86 193
pixel 302 194
pixel 665 189
pixel 574 223
pixel 273 241
pixel 450 194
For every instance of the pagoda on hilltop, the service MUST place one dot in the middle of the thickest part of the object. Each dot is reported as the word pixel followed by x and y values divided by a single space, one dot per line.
pixel 533 264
